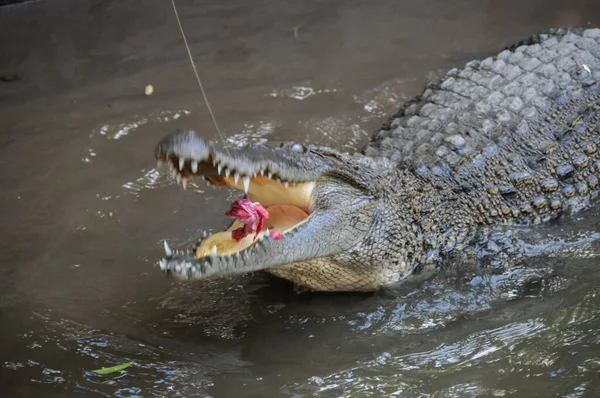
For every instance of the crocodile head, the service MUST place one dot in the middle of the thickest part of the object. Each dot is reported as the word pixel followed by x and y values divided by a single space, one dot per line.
pixel 323 203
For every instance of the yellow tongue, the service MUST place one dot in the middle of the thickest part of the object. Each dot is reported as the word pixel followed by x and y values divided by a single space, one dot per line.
pixel 281 218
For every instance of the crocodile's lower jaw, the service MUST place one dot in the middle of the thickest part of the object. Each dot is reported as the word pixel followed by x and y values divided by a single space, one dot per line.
pixel 282 218
pixel 288 204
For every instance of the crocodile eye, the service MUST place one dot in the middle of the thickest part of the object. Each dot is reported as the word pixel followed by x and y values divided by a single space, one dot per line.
pixel 298 148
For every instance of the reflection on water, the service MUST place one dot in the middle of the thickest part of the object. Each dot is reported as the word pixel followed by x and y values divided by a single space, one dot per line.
pixel 86 209
pixel 123 129
pixel 558 351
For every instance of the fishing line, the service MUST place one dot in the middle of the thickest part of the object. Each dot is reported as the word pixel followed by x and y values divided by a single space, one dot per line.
pixel 196 73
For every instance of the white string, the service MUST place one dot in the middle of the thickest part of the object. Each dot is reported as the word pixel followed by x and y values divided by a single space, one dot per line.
pixel 196 72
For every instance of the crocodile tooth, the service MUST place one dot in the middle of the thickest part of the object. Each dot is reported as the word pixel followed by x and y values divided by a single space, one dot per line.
pixel 262 172
pixel 194 165
pixel 184 183
pixel 254 175
pixel 246 180
pixel 163 264
pixel 219 168
pixel 227 173
pixel 181 163
pixel 270 175
pixel 213 251
pixel 286 184
pixel 236 177
pixel 168 250
pixel 204 234
pixel 179 178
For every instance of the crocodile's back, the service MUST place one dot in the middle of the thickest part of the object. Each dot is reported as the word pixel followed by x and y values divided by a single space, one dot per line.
pixel 520 130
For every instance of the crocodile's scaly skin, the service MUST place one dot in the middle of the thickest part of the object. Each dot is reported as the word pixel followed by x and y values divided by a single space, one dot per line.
pixel 518 132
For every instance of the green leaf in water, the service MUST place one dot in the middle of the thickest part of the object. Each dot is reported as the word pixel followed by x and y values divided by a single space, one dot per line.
pixel 112 369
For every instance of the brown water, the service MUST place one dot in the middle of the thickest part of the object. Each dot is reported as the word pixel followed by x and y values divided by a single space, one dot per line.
pixel 85 211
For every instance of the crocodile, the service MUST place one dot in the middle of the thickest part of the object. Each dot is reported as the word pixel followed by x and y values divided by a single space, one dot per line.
pixel 509 140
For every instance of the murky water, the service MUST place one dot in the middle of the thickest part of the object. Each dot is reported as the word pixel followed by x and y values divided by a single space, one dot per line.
pixel 85 210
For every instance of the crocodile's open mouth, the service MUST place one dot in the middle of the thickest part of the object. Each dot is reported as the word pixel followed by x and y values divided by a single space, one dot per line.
pixel 301 205
pixel 287 202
